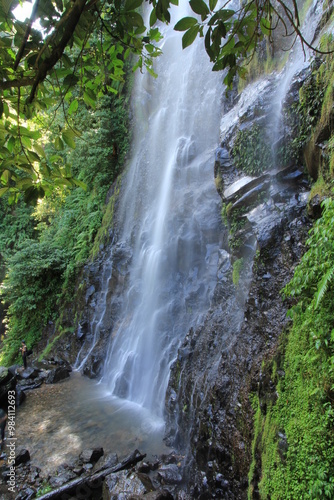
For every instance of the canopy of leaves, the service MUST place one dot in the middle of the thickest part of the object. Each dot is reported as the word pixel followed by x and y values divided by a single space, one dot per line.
pixel 78 53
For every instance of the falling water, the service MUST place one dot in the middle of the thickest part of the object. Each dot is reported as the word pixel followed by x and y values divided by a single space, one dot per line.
pixel 169 218
pixel 298 60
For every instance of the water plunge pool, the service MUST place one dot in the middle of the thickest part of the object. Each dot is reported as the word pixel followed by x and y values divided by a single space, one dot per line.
pixel 57 422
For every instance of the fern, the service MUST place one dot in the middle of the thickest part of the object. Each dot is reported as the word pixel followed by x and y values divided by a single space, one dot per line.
pixel 323 286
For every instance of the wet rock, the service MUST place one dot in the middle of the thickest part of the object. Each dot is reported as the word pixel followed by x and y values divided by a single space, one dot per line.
pixel 224 264
pixel 314 207
pixel 81 334
pixel 26 494
pixel 22 457
pixel 123 485
pixel 250 196
pixel 161 495
pixel 57 374
pixel 106 461
pixel 170 474
pixel 30 372
pixel 94 365
pixel 222 159
pixel 61 479
pixel 91 455
pixel 14 369
pixel 7 383
pixel 90 292
pixel 20 396
pixel 25 385
pixel 242 186
pixel 57 360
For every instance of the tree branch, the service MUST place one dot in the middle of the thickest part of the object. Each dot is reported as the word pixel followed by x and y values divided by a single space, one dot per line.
pixel 26 35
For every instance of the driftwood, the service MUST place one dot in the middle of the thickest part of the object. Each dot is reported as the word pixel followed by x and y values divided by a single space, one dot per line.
pixel 92 481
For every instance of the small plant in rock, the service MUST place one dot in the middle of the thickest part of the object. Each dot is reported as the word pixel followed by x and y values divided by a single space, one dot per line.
pixel 251 152
pixel 237 268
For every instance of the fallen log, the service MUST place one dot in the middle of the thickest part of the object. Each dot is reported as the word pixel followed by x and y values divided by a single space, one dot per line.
pixel 92 481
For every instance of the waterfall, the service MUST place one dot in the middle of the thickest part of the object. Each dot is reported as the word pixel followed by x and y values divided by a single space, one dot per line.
pixel 298 60
pixel 170 219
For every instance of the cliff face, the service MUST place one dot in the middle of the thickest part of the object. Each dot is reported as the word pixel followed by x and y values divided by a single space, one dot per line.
pixel 219 366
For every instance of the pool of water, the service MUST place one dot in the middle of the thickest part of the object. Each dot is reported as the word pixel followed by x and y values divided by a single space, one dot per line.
pixel 57 422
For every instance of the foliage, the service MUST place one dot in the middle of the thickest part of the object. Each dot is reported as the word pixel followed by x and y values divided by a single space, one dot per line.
pixel 78 54
pixel 311 118
pixel 31 289
pixel 47 257
pixel 317 261
pixel 303 415
pixel 251 151
pixel 16 225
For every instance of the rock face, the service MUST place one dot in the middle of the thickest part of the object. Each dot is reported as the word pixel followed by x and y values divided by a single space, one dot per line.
pixel 219 363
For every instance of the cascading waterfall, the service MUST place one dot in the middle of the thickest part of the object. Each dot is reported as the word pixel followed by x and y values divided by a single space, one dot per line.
pixel 170 218
pixel 298 60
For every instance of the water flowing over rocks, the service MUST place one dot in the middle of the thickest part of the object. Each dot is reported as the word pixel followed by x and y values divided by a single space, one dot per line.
pixel 219 363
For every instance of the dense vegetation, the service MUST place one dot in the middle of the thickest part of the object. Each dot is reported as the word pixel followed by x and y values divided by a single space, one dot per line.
pixel 293 444
pixel 44 248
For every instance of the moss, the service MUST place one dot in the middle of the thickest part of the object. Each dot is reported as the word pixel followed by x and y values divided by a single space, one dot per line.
pixel 320 188
pixel 103 233
pixel 237 268
pixel 53 342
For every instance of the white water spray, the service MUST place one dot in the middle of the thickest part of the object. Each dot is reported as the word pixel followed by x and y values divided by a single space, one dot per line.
pixel 170 218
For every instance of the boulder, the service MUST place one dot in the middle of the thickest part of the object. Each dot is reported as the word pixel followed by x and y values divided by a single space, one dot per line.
pixel 91 455
pixel 124 485
pixel 170 474
pixel 57 374
pixel 30 372
pixel 7 383
pixel 61 479
pixel 106 461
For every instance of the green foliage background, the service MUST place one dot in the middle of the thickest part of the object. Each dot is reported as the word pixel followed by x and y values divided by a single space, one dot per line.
pixel 43 249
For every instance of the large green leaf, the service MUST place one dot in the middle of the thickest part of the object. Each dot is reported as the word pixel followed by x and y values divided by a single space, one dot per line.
pixel 199 7
pixel 132 4
pixel 185 23
pixel 67 136
pixel 189 36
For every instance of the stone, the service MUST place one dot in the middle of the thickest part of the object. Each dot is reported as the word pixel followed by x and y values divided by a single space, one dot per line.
pixel 20 396
pixel 30 372
pixel 123 485
pixel 63 478
pixel 106 461
pixel 170 474
pixel 57 374
pixel 91 455
pixel 22 457
pixel 14 369
pixel 314 207
pixel 26 494
pixel 7 383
